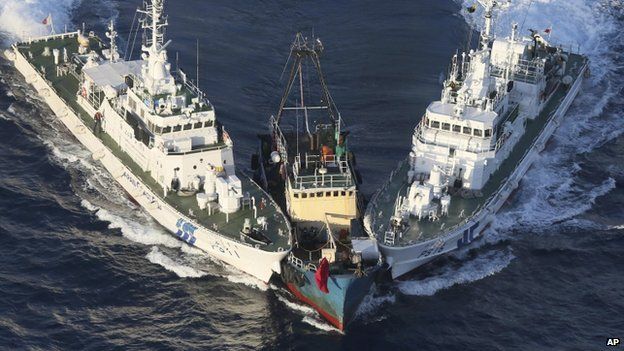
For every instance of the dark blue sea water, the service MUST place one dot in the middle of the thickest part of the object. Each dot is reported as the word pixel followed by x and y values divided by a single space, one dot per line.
pixel 81 267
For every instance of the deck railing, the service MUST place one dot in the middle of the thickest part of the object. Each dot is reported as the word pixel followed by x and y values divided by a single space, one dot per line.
pixel 318 180
pixel 149 191
pixel 519 169
pixel 419 135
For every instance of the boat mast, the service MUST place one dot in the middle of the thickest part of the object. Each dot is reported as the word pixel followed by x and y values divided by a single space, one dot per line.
pixel 112 35
pixel 156 73
pixel 301 50
pixel 486 33
pixel 303 106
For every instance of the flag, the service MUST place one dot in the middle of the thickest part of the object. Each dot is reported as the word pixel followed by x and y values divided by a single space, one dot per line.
pixel 547 30
pixel 321 275
pixel 48 20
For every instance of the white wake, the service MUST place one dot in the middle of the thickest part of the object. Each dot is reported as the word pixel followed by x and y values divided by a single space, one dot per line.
pixel 20 19
pixel 470 271
pixel 553 190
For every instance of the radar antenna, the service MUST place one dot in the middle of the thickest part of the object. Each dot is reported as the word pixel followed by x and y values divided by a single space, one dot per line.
pixel 112 35
pixel 156 73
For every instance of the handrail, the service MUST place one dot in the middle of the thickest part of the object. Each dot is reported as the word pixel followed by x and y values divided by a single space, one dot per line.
pixel 418 134
pixel 492 198
pixel 147 191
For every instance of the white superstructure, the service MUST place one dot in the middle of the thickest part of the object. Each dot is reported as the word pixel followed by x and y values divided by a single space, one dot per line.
pixel 157 134
pixel 498 105
pixel 490 93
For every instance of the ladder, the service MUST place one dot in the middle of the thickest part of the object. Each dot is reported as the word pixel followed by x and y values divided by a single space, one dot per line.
pixel 449 168
pixel 389 238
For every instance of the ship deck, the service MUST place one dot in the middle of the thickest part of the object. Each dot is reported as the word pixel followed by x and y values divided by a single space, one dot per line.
pixel 307 177
pixel 230 226
pixel 462 208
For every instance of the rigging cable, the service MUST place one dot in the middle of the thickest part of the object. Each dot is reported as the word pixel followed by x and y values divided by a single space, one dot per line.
pixel 129 35
pixel 525 15
pixel 134 40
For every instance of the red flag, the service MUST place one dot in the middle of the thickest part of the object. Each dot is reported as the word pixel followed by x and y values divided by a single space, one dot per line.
pixel 47 20
pixel 547 30
pixel 321 275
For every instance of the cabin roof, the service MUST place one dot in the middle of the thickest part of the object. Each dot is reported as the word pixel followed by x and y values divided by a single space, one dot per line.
pixel 444 112
pixel 113 74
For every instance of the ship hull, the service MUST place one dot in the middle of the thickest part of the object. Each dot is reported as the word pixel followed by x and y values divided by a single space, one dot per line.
pixel 256 262
pixel 346 292
pixel 403 259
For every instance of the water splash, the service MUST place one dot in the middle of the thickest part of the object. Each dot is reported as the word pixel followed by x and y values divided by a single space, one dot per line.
pixel 370 307
pixel 310 316
pixel 180 269
pixel 554 190
pixel 320 325
pixel 20 19
pixel 470 271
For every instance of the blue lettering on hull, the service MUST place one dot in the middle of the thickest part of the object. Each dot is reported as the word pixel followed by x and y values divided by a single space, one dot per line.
pixel 186 231
pixel 468 236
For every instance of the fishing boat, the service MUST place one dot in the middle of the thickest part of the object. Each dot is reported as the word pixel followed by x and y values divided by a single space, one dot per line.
pixel 499 106
pixel 157 134
pixel 304 162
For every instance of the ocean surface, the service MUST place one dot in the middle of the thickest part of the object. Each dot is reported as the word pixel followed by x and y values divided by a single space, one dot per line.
pixel 81 267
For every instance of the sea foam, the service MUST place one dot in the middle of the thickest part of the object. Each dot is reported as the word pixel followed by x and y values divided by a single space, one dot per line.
pixel 470 271
pixel 20 19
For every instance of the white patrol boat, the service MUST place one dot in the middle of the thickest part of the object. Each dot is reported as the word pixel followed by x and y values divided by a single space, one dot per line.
pixel 499 106
pixel 158 136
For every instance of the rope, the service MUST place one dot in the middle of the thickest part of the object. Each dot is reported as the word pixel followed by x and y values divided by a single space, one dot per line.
pixel 133 41
pixel 525 15
pixel 286 64
pixel 129 34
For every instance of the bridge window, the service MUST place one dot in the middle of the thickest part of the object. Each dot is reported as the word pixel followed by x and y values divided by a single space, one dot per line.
pixel 467 130
pixel 166 130
pixel 311 194
pixel 320 194
pixel 188 126
pixel 344 193
pixel 328 193
pixel 446 126
pixel 304 195
pixel 208 124
pixel 477 132
pixel 158 130
pixel 296 195
pixel 456 128
pixel 335 193
pixel 198 125
pixel 488 133
pixel 435 124
pixel 177 128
